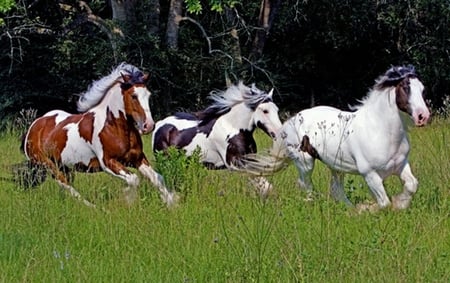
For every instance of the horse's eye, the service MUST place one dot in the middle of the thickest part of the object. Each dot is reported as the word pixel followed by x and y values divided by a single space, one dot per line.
pixel 265 111
pixel 134 96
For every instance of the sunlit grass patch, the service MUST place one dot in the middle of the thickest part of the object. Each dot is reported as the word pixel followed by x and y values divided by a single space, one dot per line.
pixel 223 231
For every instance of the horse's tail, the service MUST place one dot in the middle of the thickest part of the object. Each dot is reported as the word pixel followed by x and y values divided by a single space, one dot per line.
pixel 22 142
pixel 28 174
pixel 266 162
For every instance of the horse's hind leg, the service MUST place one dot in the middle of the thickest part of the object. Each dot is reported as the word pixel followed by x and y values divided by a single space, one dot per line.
pixel 337 187
pixel 62 179
pixel 410 183
pixel 73 192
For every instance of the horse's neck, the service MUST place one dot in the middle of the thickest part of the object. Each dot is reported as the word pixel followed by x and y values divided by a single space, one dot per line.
pixel 381 109
pixel 382 116
pixel 113 102
pixel 239 117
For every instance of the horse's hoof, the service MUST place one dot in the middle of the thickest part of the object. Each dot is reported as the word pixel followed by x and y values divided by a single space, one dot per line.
pixel 400 201
pixel 170 199
pixel 130 195
pixel 369 207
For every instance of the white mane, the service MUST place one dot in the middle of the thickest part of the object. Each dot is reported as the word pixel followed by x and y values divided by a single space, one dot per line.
pixel 385 83
pixel 371 96
pixel 236 94
pixel 98 89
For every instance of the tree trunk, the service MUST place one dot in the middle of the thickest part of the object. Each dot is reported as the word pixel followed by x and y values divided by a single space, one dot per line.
pixel 267 14
pixel 153 14
pixel 235 47
pixel 173 22
pixel 123 11
pixel 115 34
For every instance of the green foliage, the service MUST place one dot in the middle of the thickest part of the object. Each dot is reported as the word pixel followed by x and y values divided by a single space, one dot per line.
pixel 193 6
pixel 181 172
pixel 6 5
pixel 196 6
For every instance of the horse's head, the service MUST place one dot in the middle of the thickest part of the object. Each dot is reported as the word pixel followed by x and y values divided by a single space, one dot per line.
pixel 266 116
pixel 136 101
pixel 408 92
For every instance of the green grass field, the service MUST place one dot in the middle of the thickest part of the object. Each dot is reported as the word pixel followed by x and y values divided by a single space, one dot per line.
pixel 223 232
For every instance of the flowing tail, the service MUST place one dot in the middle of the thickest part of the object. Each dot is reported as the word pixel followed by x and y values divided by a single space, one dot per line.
pixel 267 162
pixel 28 174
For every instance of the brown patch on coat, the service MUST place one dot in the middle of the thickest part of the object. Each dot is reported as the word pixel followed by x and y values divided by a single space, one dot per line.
pixel 34 142
pixel 86 127
pixel 402 94
pixel 122 143
pixel 308 148
pixel 133 107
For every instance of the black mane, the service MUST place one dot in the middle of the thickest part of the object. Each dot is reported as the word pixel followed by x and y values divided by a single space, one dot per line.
pixel 394 76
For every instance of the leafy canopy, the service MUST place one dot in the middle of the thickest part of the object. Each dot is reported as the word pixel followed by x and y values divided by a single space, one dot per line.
pixel 196 7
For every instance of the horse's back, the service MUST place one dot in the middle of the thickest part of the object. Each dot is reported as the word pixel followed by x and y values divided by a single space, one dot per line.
pixel 177 130
pixel 57 135
pixel 38 132
pixel 323 132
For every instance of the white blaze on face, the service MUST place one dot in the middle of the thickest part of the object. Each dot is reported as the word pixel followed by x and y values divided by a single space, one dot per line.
pixel 143 97
pixel 266 115
pixel 419 110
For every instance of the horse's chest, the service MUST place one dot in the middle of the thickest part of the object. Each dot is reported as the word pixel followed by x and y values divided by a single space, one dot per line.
pixel 239 145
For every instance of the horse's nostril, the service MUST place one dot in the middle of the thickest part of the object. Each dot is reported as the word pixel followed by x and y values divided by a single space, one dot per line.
pixel 421 118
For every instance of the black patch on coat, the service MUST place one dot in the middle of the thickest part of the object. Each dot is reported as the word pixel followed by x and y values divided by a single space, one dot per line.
pixel 307 147
pixel 264 128
pixel 239 145
pixel 168 135
pixel 186 116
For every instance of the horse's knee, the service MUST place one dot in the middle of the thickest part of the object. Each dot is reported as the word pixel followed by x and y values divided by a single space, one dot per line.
pixel 411 185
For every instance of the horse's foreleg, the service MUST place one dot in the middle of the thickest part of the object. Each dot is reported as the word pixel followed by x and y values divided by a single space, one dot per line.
pixel 305 166
pixel 337 188
pixel 375 183
pixel 168 197
pixel 410 184
pixel 117 169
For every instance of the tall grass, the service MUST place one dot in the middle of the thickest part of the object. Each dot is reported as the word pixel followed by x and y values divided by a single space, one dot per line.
pixel 222 231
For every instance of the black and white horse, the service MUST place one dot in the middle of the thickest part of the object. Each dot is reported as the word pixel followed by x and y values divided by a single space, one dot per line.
pixel 224 130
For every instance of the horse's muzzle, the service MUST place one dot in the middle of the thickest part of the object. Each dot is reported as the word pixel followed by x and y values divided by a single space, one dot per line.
pixel 146 127
pixel 421 117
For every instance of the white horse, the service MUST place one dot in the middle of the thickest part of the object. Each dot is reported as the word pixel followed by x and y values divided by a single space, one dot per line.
pixel 372 141
pixel 224 130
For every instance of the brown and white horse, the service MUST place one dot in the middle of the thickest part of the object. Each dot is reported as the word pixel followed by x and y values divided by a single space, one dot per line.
pixel 105 136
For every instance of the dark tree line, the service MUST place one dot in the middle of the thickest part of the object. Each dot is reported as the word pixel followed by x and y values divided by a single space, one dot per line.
pixel 311 52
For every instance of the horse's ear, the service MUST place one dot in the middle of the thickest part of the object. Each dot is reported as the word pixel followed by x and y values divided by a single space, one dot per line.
pixel 145 77
pixel 125 78
pixel 270 93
